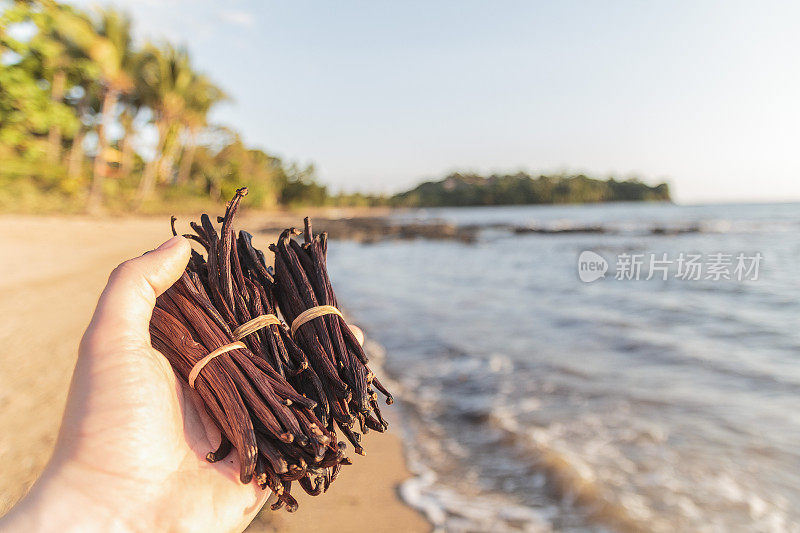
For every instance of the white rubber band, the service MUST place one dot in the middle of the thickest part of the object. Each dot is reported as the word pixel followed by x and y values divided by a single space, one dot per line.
pixel 311 314
pixel 251 326
pixel 198 366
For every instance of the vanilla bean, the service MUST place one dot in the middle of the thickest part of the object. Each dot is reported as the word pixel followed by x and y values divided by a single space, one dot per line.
pixel 277 400
pixel 337 359
pixel 221 452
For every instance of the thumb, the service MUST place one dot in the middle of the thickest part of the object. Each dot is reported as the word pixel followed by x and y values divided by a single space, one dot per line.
pixel 126 304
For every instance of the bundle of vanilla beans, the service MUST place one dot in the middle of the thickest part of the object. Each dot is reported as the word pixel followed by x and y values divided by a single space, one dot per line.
pixel 278 396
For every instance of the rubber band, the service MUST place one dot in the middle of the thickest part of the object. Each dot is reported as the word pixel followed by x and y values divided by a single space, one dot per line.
pixel 311 314
pixel 251 326
pixel 198 366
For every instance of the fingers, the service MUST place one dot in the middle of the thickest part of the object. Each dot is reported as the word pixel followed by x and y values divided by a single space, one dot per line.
pixel 128 299
pixel 359 334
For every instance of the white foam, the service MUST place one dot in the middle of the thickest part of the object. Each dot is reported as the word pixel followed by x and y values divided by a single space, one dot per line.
pixel 444 507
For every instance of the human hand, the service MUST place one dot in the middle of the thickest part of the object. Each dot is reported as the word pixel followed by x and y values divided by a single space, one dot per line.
pixel 130 455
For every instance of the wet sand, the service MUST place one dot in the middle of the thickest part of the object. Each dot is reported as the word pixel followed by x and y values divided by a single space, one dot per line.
pixel 51 273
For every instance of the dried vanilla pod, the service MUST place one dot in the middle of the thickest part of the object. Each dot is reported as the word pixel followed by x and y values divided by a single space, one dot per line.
pixel 343 386
pixel 218 328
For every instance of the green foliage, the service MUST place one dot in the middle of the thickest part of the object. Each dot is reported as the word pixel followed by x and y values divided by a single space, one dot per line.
pixel 301 188
pixel 470 189
pixel 221 172
pixel 27 111
pixel 67 76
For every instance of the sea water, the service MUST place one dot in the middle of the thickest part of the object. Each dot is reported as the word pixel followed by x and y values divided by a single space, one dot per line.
pixel 534 401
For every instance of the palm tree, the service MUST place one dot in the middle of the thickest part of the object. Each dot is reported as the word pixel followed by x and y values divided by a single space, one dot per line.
pixel 202 96
pixel 165 81
pixel 86 105
pixel 131 106
pixel 54 58
pixel 115 56
pixel 108 45
pixel 76 151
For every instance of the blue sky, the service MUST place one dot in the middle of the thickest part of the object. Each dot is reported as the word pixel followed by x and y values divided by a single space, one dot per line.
pixel 380 95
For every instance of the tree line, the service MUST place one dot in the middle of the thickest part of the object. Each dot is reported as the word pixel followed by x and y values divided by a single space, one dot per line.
pixel 466 189
pixel 77 95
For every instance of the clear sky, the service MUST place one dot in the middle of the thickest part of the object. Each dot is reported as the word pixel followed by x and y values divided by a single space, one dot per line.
pixel 380 95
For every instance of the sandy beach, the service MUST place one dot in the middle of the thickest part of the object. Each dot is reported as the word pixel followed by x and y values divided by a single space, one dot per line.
pixel 53 269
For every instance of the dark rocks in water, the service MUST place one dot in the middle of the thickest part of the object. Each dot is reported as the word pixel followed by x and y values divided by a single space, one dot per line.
pixel 375 229
pixel 661 230
pixel 371 229
pixel 558 231
pixel 657 230
pixel 436 230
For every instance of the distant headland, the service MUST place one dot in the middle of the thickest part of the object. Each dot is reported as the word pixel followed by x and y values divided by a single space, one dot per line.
pixel 467 189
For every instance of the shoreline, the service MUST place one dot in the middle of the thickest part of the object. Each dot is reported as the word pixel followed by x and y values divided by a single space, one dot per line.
pixel 365 496
pixel 37 365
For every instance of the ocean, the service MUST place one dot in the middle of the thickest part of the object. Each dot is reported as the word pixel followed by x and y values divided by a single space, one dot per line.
pixel 531 400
